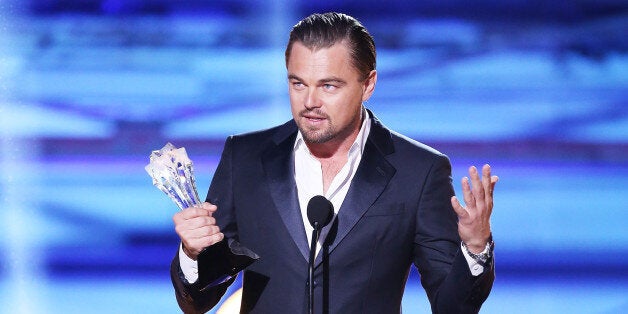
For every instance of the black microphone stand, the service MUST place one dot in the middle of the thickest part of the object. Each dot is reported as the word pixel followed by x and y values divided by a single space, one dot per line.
pixel 319 212
pixel 310 279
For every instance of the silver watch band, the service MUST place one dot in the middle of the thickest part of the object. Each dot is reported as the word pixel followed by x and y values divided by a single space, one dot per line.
pixel 483 256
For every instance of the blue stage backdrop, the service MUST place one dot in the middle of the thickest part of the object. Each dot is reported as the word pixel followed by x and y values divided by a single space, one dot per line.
pixel 538 89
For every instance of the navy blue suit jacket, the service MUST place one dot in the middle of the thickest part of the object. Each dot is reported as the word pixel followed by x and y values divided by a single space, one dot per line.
pixel 397 212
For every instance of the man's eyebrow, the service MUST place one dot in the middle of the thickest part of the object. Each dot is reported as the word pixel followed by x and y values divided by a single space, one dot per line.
pixel 333 79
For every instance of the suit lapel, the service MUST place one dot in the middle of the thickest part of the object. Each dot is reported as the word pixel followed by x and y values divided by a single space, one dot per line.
pixel 370 180
pixel 278 163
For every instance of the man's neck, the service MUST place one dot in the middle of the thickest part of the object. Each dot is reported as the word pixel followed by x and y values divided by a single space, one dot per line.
pixel 331 149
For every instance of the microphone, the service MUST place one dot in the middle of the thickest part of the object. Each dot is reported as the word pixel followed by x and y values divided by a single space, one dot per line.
pixel 319 212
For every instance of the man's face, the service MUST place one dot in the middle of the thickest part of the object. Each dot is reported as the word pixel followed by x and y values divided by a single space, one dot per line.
pixel 326 93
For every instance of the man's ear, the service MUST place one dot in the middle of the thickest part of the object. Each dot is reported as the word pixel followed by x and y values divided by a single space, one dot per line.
pixel 369 85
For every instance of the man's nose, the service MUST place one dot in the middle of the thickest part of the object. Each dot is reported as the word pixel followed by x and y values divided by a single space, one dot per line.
pixel 312 101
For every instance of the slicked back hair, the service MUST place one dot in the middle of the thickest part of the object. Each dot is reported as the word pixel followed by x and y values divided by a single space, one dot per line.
pixel 319 31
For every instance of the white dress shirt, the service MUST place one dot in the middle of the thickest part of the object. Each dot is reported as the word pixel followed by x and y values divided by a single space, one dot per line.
pixel 309 176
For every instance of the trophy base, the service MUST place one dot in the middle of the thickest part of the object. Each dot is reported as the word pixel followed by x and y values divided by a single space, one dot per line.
pixel 222 261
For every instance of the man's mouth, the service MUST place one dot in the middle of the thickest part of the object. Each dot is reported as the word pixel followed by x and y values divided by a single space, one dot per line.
pixel 313 118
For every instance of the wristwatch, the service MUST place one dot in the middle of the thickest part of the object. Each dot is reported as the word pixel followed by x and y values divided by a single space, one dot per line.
pixel 483 256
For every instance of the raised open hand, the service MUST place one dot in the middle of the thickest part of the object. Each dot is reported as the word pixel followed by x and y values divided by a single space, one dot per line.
pixel 474 220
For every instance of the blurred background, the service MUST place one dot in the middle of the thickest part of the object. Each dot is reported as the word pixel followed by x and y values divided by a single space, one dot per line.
pixel 88 88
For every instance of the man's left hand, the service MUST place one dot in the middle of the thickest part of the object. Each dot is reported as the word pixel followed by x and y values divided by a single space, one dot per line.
pixel 474 220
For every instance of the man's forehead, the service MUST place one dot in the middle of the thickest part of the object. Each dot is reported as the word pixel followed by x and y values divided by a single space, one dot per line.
pixel 336 57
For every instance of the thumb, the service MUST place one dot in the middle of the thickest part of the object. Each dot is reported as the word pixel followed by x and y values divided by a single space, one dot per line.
pixel 460 211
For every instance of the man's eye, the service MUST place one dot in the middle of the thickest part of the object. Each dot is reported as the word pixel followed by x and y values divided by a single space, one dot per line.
pixel 329 87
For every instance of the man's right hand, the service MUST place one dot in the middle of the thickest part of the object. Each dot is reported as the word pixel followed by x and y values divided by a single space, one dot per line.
pixel 197 228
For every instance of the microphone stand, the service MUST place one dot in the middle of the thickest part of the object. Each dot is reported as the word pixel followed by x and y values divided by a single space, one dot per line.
pixel 310 279
pixel 319 213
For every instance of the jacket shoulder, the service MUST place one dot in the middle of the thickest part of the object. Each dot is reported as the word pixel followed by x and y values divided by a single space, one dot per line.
pixel 404 144
pixel 264 137
pixel 390 142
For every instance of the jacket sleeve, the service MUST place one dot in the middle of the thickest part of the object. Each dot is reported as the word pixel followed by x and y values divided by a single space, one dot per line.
pixel 445 273
pixel 192 298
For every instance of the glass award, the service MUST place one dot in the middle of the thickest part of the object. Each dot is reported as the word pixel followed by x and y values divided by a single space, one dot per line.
pixel 173 173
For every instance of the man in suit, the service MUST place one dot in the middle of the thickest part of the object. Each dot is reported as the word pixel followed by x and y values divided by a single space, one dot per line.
pixel 393 200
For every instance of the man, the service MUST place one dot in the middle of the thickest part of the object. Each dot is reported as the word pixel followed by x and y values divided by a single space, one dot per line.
pixel 392 198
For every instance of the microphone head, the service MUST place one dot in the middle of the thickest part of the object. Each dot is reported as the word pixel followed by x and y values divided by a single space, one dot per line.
pixel 319 211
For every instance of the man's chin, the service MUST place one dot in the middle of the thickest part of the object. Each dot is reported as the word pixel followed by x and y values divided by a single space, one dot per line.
pixel 316 137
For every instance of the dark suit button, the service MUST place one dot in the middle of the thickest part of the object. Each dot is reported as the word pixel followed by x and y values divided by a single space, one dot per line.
pixel 314 284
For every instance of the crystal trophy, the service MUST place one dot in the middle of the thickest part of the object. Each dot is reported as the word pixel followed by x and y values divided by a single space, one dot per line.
pixel 172 172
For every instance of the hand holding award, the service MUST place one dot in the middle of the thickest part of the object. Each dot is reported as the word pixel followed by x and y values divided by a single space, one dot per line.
pixel 172 173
